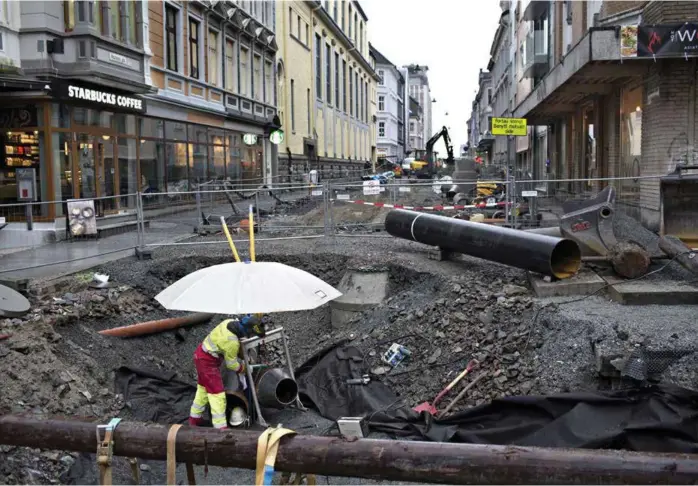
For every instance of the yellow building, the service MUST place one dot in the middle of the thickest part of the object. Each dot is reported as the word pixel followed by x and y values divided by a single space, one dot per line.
pixel 326 88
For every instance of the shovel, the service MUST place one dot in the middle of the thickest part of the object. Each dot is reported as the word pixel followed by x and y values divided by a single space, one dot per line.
pixel 431 407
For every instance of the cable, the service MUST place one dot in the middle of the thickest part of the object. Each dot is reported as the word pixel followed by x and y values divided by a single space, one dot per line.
pixel 551 304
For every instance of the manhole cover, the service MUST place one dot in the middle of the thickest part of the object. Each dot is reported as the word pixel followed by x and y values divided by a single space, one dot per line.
pixel 12 303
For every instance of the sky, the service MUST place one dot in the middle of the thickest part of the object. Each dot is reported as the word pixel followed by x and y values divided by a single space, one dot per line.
pixel 452 37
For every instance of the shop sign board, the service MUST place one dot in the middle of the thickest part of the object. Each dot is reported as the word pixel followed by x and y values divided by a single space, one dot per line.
pixel 276 137
pixel 372 188
pixel 509 126
pixel 98 97
pixel 249 138
pixel 659 40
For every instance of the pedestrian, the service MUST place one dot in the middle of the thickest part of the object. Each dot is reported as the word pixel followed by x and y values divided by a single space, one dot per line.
pixel 222 345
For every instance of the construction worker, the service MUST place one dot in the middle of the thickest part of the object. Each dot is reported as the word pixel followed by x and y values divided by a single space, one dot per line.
pixel 221 345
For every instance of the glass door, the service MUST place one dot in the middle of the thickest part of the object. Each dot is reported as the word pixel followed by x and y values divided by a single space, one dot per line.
pixel 87 171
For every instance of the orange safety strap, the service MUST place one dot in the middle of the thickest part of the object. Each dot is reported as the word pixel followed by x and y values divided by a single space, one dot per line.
pixel 172 461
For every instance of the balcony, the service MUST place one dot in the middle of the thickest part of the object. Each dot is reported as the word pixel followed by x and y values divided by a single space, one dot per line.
pixel 532 9
pixel 536 54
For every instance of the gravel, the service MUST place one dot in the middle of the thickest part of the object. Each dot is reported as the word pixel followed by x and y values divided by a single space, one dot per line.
pixel 445 313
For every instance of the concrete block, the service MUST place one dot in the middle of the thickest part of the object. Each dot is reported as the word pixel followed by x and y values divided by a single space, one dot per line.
pixel 655 292
pixel 584 283
pixel 144 253
pixel 439 254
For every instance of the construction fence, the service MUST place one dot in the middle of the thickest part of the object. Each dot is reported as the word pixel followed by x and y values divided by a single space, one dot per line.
pixel 292 210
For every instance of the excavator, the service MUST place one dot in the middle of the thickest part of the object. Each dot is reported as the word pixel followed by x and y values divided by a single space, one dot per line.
pixel 424 165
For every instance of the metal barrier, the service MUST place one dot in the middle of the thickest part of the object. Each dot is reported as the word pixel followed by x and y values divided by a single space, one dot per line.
pixel 293 211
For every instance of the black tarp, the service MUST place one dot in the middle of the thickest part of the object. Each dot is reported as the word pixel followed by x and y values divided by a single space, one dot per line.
pixel 658 418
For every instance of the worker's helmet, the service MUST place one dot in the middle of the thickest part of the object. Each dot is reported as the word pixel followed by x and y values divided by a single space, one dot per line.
pixel 237 417
pixel 247 326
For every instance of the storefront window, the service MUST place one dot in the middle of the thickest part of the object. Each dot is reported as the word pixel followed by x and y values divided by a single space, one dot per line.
pixel 125 124
pixel 234 168
pixel 198 155
pixel 92 118
pixel 177 170
pixel 176 131
pixel 62 167
pixel 151 127
pixel 630 145
pixel 128 182
pixel 218 162
pixel 60 115
pixel 152 161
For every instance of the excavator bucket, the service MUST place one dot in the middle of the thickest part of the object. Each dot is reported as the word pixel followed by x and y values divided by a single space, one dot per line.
pixel 679 197
pixel 590 222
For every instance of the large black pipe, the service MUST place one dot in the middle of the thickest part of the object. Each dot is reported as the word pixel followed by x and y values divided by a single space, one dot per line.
pixel 544 254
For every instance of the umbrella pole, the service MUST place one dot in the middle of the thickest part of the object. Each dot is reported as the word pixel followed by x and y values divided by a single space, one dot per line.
pixel 230 239
pixel 251 229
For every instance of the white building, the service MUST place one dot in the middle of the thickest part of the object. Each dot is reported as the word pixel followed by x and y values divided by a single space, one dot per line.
pixel 390 110
pixel 419 90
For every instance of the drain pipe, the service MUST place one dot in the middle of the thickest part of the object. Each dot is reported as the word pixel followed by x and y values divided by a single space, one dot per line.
pixel 153 327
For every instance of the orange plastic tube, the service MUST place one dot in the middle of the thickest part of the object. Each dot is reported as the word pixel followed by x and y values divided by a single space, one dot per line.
pixel 153 327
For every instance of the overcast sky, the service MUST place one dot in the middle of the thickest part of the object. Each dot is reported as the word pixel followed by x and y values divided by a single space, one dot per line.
pixel 452 37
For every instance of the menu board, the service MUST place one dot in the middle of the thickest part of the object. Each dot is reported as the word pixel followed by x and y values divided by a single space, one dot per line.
pixel 21 149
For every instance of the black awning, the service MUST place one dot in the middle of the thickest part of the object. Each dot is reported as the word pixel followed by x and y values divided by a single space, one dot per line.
pixel 15 83
pixel 485 143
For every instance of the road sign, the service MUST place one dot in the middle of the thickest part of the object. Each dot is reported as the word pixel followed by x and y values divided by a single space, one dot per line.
pixel 509 126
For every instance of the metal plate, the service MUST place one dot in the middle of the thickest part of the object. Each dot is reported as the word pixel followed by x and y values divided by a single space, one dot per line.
pixel 12 303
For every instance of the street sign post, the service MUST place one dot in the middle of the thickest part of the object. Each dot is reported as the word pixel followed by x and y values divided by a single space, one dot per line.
pixel 509 126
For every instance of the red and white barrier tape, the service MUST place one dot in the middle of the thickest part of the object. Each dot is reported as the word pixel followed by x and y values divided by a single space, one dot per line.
pixel 426 208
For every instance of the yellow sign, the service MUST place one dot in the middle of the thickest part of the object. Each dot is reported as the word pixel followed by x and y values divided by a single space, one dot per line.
pixel 509 126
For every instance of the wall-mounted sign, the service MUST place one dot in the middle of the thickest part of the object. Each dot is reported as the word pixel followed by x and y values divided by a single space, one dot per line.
pixel 249 138
pixel 665 40
pixel 98 97
pixel 276 137
pixel 509 126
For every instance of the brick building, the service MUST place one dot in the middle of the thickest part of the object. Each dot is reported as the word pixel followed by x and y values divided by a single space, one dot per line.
pixel 614 103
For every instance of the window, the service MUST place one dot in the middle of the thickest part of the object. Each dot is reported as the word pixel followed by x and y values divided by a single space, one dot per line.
pixel 327 6
pixel 291 18
pixel 381 73
pixel 381 129
pixel 361 36
pixel 344 27
pixel 298 28
pixel 307 34
pixel 489 96
pixel 328 73
pixel 412 127
pixel 194 48
pixel 336 78
pixel 244 71
pixel 230 66
pixel 381 103
pixel 356 27
pixel 257 88
pixel 350 23
pixel 344 85
pixel 171 14
pixel 213 61
pixel 336 4
pixel 356 94
pixel 268 83
pixel 318 67
pixel 351 91
pixel 293 105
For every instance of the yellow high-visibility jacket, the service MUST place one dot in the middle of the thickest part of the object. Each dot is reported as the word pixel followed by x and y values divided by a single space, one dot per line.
pixel 223 344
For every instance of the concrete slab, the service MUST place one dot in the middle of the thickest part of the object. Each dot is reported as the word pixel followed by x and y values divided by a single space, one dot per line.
pixel 584 283
pixel 655 292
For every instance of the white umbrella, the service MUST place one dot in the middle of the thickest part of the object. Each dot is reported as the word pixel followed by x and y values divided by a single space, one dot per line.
pixel 247 288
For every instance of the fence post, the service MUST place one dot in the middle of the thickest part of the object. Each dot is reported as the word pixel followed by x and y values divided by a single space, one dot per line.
pixel 326 185
pixel 30 216
pixel 199 221
pixel 256 205
pixel 516 199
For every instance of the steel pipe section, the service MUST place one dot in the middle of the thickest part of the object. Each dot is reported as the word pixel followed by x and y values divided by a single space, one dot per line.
pixel 276 388
pixel 558 257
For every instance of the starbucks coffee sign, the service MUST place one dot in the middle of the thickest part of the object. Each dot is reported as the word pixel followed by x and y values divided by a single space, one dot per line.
pixel 98 97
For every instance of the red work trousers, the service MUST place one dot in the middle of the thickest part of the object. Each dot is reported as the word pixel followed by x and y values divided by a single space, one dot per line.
pixel 208 371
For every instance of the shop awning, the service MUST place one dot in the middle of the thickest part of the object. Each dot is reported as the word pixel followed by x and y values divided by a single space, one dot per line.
pixel 591 68
pixel 15 83
pixel 485 143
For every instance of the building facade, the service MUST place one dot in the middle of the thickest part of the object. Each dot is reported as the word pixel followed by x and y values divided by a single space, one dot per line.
pixel 480 136
pixel 106 99
pixel 326 83
pixel 418 86
pixel 390 114
pixel 502 151
pixel 416 126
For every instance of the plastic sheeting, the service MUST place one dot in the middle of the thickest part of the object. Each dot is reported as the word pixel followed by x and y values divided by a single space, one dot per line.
pixel 651 419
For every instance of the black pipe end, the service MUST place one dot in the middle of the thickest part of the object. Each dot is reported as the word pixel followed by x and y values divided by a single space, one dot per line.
pixel 566 259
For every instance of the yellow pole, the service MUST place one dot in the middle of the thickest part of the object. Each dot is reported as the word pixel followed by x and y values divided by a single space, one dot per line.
pixel 251 229
pixel 230 239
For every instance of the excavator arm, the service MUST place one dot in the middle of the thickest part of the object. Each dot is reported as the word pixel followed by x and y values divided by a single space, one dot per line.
pixel 430 148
